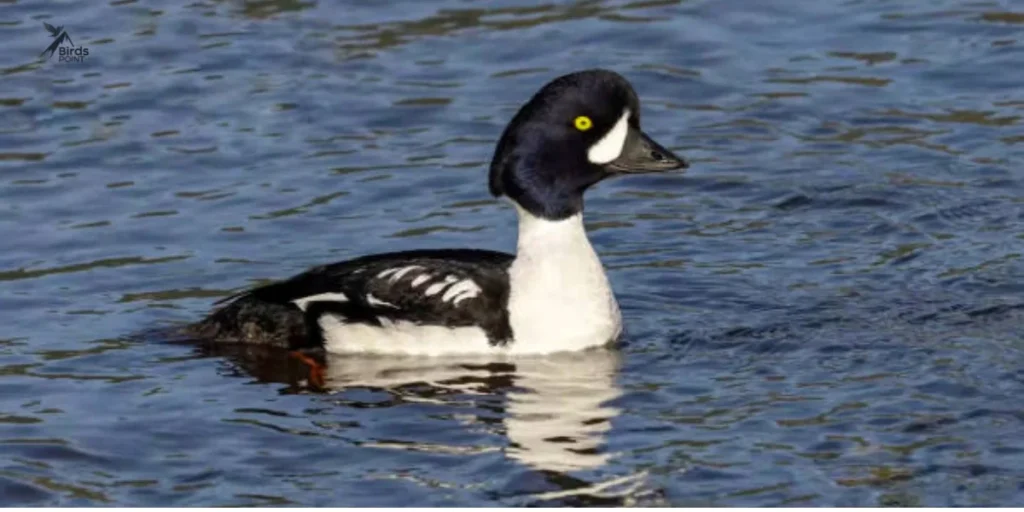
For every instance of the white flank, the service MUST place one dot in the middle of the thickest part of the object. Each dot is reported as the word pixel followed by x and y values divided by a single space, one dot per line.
pixel 420 279
pixel 560 298
pixel 320 297
pixel 610 146
pixel 465 289
pixel 402 337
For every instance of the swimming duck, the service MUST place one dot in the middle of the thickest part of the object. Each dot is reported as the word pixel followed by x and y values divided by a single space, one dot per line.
pixel 552 295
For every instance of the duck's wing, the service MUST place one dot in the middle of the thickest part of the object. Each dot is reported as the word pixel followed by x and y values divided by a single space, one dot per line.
pixel 453 288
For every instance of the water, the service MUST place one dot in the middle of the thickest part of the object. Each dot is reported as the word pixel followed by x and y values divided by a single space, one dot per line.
pixel 826 309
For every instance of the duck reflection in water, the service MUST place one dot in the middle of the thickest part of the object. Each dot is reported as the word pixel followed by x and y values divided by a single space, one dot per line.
pixel 555 410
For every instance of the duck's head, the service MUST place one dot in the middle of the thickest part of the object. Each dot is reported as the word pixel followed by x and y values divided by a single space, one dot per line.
pixel 576 131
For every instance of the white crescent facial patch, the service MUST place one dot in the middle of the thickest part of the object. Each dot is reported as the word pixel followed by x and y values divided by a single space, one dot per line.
pixel 610 146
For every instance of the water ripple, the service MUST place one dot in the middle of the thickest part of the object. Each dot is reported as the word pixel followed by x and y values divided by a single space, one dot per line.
pixel 824 310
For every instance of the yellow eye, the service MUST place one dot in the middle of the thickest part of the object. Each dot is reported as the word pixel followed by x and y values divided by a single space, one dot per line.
pixel 583 123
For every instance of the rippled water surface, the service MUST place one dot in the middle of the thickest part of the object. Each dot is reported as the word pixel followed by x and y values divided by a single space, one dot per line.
pixel 826 309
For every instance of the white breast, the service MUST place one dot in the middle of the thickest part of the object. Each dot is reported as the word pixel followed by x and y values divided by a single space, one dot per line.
pixel 560 297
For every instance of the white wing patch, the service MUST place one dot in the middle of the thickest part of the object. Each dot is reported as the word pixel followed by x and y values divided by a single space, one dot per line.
pixel 374 301
pixel 320 297
pixel 435 289
pixel 610 146
pixel 465 289
pixel 397 273
pixel 401 272
pixel 455 289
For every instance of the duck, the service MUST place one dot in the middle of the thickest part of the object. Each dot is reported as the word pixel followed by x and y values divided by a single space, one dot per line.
pixel 551 295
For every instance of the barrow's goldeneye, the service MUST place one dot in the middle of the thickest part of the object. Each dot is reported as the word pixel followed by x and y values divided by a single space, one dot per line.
pixel 551 295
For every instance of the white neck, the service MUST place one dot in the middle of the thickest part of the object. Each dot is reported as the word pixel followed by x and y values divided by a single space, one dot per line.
pixel 538 236
pixel 560 298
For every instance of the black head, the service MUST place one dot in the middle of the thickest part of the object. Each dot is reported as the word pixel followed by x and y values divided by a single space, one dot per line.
pixel 576 131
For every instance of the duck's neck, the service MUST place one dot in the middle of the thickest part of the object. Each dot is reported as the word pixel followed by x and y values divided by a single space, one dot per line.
pixel 543 240
pixel 559 292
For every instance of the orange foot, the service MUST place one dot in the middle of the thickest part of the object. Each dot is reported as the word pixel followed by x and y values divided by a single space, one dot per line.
pixel 316 370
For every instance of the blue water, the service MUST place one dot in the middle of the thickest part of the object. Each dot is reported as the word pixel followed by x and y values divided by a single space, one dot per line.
pixel 826 309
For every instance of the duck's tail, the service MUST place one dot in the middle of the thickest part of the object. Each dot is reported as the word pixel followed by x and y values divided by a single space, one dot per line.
pixel 247 319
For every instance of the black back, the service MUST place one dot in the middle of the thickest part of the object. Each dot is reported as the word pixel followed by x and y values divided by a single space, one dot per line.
pixel 268 314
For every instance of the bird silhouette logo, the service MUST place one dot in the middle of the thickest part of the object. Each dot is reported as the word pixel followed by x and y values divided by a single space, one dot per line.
pixel 59 36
